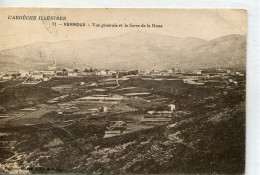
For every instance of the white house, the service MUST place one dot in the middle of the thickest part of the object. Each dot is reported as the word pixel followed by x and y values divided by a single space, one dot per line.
pixel 102 73
pixel 229 71
pixel 37 76
pixel 103 109
pixel 6 77
pixel 172 107
pixel 198 72
pixel 48 72
pixel 72 74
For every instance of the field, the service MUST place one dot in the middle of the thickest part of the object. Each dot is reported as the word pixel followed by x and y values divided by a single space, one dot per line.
pixel 205 135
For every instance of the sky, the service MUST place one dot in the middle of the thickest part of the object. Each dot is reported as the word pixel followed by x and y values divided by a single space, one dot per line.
pixel 200 23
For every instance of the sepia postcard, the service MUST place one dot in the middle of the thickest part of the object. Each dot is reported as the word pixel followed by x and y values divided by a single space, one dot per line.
pixel 122 91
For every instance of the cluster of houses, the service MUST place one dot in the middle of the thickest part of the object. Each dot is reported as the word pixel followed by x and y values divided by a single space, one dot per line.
pixel 53 71
pixel 160 72
pixel 67 72
pixel 45 75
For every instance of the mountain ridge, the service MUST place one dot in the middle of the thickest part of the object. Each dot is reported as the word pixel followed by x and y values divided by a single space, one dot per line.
pixel 135 50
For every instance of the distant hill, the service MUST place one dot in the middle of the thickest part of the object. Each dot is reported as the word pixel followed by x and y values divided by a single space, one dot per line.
pixel 135 50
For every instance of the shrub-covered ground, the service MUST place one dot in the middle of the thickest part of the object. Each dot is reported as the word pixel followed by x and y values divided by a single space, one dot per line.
pixel 209 138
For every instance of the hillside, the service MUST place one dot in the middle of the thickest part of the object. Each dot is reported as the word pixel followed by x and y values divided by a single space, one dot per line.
pixel 206 141
pixel 135 50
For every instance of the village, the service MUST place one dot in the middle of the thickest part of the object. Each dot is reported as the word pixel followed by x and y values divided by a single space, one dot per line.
pixel 188 76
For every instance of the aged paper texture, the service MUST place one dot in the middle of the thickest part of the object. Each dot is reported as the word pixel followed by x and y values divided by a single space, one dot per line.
pixel 122 91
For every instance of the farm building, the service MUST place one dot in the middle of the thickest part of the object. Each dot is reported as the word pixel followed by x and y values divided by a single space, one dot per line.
pixel 103 109
pixel 172 107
